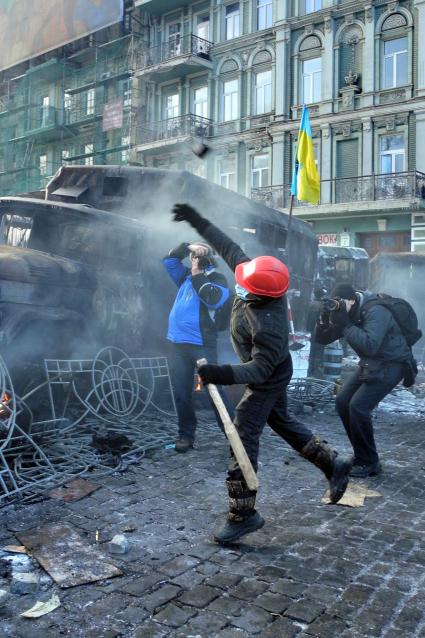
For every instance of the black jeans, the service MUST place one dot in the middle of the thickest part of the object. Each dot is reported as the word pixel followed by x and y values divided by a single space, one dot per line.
pixel 255 409
pixel 183 358
pixel 355 403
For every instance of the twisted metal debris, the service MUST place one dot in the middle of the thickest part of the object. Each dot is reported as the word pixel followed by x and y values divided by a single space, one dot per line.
pixel 112 392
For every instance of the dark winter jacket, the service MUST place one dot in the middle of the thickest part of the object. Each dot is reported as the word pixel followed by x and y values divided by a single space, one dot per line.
pixel 259 327
pixel 191 318
pixel 372 332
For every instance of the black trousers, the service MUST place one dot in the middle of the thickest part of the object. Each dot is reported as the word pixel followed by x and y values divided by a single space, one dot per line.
pixel 183 358
pixel 355 403
pixel 255 409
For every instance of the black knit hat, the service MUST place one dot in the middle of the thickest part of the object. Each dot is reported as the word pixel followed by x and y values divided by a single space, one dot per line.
pixel 344 291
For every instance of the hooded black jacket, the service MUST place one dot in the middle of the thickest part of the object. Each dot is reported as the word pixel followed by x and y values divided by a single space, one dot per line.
pixel 259 327
pixel 373 333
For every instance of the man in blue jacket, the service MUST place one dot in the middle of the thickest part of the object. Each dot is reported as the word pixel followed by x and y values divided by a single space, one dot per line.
pixel 192 331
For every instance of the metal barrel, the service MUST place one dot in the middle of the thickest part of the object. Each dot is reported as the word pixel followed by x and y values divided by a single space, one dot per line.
pixel 332 361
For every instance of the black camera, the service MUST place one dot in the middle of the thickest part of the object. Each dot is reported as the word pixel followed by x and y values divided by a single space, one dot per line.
pixel 329 305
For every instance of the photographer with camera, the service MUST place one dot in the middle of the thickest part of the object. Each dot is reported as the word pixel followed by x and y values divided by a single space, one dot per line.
pixel 371 329
pixel 192 331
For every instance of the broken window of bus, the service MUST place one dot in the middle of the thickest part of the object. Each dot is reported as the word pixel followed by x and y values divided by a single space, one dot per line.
pixel 15 230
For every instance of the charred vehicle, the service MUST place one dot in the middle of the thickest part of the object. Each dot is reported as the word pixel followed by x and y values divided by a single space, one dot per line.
pixel 338 264
pixel 83 268
pixel 69 276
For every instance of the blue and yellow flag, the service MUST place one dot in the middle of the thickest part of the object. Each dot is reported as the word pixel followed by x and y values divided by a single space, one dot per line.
pixel 305 178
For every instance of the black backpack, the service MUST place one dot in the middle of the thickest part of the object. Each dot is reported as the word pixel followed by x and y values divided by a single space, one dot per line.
pixel 222 315
pixel 403 314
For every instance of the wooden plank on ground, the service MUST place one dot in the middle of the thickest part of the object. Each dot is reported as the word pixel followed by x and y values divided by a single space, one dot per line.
pixel 67 557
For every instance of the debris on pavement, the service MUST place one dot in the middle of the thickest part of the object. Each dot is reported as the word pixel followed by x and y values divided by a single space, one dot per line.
pixel 4 597
pixel 74 490
pixel 15 549
pixel 67 557
pixel 354 496
pixel 42 608
pixel 114 442
pixel 24 583
pixel 119 544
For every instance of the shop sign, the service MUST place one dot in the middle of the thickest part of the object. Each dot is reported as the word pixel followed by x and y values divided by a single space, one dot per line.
pixel 327 239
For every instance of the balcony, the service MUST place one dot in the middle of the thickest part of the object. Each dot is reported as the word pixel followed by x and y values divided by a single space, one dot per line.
pixel 173 130
pixel 38 120
pixel 364 190
pixel 175 58
pixel 161 6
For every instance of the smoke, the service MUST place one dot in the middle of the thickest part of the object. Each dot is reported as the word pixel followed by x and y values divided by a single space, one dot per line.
pixel 401 275
pixel 123 292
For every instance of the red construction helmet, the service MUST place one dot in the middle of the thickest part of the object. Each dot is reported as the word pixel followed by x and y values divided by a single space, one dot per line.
pixel 264 276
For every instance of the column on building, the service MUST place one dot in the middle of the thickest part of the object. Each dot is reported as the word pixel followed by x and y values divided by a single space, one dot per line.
pixel 420 28
pixel 369 48
pixel 282 88
pixel 367 144
pixel 328 70
pixel 420 137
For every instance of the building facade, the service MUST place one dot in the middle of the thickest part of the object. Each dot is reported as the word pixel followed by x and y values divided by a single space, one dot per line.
pixel 235 74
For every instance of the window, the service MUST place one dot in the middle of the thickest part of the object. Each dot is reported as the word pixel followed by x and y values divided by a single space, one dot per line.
pixel 15 230
pixel 232 26
pixel 42 165
pixel 203 27
pixel 200 101
pixel 174 47
pixel 45 111
pixel 172 106
pixel 125 141
pixel 391 149
pixel 90 99
pixel 260 172
pixel 394 72
pixel 312 80
pixel 263 92
pixel 65 155
pixel 126 92
pixel 312 5
pixel 88 150
pixel 227 174
pixel 264 14
pixel 230 100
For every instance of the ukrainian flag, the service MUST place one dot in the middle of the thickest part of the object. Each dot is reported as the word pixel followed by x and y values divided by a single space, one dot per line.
pixel 305 178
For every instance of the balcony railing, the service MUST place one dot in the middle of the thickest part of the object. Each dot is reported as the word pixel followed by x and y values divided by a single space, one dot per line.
pixel 178 46
pixel 367 188
pixel 41 117
pixel 173 128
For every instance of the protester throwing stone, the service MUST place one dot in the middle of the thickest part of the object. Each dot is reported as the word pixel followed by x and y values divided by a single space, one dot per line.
pixel 259 332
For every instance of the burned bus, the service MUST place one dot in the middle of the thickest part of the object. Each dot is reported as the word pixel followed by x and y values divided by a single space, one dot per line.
pixel 83 268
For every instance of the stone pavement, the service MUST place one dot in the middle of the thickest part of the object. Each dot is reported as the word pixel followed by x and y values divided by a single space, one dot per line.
pixel 313 570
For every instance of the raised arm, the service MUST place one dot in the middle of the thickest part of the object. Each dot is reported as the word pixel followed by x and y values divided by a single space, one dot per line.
pixel 222 244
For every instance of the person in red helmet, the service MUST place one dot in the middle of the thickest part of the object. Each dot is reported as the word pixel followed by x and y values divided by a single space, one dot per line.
pixel 259 333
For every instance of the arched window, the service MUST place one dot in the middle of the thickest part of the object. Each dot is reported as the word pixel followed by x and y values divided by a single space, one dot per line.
pixel 310 61
pixel 394 52
pixel 262 84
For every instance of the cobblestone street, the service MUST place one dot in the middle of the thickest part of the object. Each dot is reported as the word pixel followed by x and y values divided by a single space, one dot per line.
pixel 313 570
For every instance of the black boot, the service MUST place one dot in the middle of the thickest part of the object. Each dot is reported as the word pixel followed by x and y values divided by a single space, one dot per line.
pixel 335 468
pixel 243 517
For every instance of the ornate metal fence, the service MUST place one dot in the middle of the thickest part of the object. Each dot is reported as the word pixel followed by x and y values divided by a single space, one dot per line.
pixel 110 394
